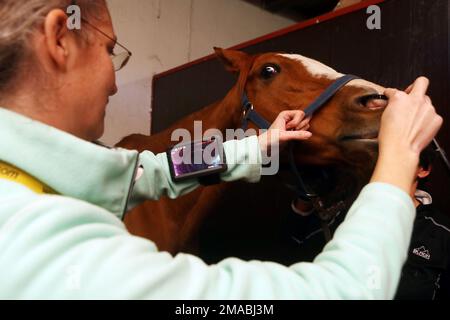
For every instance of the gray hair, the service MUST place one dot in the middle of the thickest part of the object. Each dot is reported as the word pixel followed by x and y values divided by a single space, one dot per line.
pixel 19 19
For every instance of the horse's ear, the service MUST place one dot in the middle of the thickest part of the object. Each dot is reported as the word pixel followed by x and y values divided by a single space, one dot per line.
pixel 233 60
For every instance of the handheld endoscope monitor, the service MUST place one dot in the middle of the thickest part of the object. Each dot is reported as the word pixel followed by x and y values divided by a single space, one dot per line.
pixel 196 159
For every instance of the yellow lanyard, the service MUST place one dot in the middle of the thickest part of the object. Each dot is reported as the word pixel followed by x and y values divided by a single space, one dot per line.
pixel 11 173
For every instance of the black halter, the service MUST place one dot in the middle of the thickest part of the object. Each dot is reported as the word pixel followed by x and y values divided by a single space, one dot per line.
pixel 250 114
pixel 304 191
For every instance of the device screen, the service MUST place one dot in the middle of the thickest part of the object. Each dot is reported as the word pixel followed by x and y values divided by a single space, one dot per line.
pixel 195 158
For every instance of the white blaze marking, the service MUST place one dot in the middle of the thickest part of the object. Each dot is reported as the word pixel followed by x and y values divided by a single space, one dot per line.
pixel 318 70
pixel 314 67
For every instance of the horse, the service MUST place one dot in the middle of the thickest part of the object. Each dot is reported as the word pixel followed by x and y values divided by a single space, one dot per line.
pixel 344 141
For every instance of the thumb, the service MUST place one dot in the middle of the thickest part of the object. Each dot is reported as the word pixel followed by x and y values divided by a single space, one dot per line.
pixel 408 90
pixel 286 136
pixel 390 92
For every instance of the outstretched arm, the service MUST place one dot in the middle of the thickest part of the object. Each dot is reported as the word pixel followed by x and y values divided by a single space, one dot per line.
pixel 243 159
pixel 57 247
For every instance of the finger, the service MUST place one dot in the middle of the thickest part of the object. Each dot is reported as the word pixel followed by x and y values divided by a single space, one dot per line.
pixel 391 92
pixel 287 115
pixel 279 123
pixel 294 120
pixel 282 120
pixel 296 117
pixel 295 135
pixel 304 125
pixel 408 90
pixel 304 128
pixel 420 86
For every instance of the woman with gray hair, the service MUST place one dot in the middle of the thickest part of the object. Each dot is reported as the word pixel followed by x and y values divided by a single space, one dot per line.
pixel 62 197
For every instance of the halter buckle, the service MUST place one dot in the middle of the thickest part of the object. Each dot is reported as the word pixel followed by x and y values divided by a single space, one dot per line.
pixel 247 108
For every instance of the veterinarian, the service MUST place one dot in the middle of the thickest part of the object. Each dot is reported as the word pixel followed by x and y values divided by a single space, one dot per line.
pixel 62 197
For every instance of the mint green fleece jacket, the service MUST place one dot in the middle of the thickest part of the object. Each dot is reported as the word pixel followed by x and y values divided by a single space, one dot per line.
pixel 75 246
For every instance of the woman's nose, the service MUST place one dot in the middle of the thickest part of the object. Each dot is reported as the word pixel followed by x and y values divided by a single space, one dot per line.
pixel 114 89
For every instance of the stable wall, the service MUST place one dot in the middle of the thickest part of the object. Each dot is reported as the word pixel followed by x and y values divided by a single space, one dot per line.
pixel 163 34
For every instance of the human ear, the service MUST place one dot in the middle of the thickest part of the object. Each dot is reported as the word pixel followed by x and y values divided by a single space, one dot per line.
pixel 423 173
pixel 57 38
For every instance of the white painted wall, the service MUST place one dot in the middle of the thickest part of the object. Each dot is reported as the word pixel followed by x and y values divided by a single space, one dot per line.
pixel 163 34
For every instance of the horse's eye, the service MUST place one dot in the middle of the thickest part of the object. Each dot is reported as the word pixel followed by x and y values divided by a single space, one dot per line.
pixel 269 71
pixel 374 101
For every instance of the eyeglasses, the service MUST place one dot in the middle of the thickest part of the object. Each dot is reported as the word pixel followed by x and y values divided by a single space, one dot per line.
pixel 119 60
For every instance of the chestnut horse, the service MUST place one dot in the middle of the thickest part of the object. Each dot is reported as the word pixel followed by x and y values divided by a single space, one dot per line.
pixel 344 137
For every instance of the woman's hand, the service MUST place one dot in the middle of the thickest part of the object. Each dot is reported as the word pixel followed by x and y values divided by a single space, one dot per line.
pixel 290 125
pixel 408 125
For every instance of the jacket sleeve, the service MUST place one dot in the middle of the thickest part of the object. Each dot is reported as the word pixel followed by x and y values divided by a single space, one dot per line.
pixel 243 160
pixel 61 248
